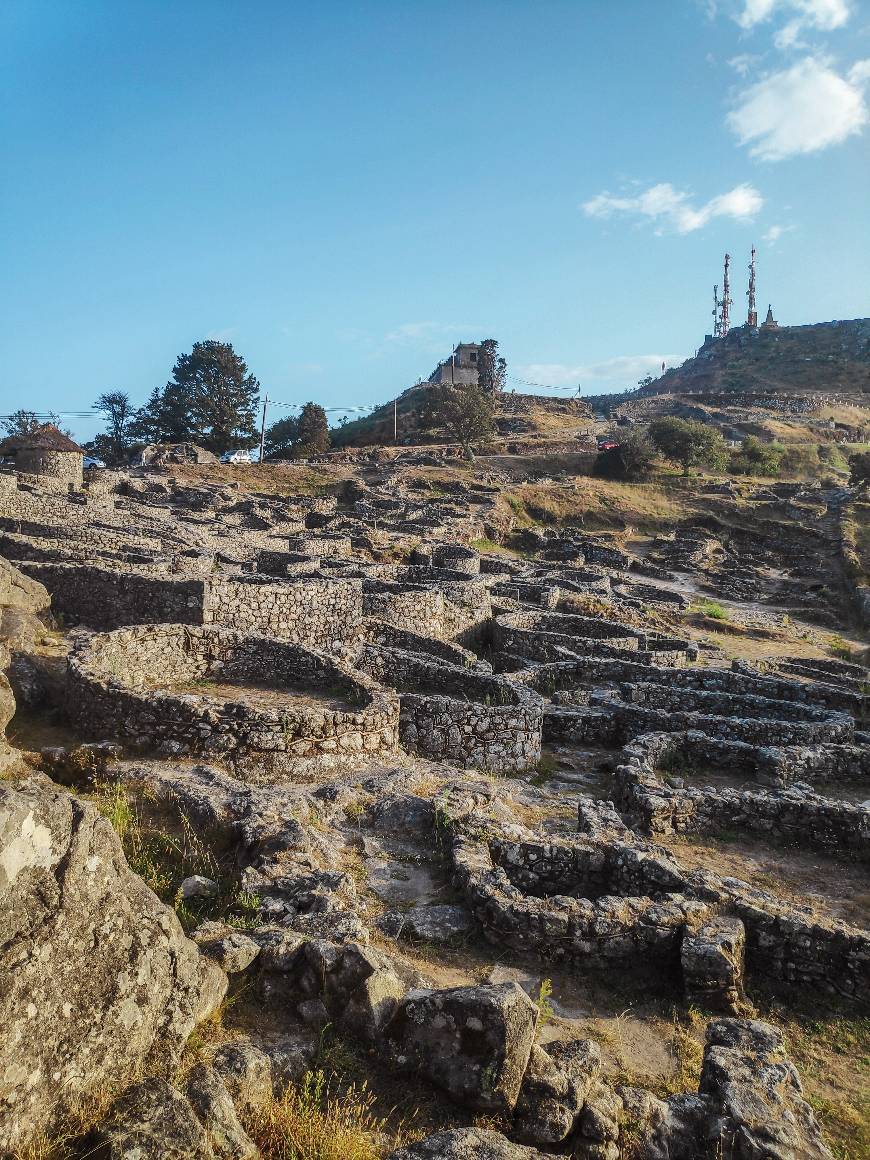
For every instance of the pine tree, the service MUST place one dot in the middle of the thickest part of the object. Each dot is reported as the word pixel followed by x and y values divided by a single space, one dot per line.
pixel 313 437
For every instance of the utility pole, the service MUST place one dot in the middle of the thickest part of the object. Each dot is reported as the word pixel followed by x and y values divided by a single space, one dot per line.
pixel 263 427
pixel 752 315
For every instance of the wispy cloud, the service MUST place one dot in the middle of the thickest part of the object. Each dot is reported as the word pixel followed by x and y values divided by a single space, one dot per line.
pixel 431 334
pixel 802 109
pixel 223 335
pixel 672 209
pixel 774 233
pixel 611 374
pixel 744 63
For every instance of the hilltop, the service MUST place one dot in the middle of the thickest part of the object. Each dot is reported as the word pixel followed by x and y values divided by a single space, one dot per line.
pixel 829 358
pixel 517 414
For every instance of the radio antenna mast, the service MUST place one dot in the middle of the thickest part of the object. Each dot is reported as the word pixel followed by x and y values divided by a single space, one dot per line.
pixel 725 323
pixel 752 316
pixel 716 304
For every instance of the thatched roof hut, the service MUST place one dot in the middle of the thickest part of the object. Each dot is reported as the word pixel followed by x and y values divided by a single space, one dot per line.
pixel 44 438
pixel 46 451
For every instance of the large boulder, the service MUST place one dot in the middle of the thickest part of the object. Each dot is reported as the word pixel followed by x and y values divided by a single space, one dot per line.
pixel 97 979
pixel 554 1089
pixel 474 1042
pixel 758 1109
pixel 22 600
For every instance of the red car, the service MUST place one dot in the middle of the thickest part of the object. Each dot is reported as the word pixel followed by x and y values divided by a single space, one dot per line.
pixel 607 444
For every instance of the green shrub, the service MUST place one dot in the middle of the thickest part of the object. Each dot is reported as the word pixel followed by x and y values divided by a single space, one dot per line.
pixel 712 609
pixel 757 458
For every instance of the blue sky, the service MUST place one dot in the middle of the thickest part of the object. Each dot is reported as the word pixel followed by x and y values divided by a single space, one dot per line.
pixel 344 189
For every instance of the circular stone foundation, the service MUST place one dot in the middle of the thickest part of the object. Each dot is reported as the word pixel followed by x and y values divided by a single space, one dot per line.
pixel 257 703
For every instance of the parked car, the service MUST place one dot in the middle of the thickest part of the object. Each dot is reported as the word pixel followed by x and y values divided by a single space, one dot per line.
pixel 236 457
pixel 607 444
pixel 92 461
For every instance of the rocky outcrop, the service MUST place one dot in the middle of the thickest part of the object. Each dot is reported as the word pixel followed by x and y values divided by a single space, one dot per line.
pixel 97 979
pixel 758 1105
pixel 21 602
pixel 466 1144
pixel 556 1084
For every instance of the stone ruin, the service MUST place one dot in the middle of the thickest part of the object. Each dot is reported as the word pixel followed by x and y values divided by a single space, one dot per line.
pixel 284 675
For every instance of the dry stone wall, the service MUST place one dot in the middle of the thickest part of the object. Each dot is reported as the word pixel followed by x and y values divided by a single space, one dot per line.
pixel 111 693
pixel 468 718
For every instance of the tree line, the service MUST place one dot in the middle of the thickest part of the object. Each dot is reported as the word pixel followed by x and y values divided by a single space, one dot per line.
pixel 211 399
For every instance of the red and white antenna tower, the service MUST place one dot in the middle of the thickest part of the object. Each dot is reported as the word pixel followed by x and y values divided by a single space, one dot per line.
pixel 716 323
pixel 726 304
pixel 752 315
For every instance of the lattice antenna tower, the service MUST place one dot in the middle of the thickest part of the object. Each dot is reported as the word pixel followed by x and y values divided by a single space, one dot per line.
pixel 752 315
pixel 726 304
pixel 716 305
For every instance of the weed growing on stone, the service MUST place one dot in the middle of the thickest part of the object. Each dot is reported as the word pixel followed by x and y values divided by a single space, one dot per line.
pixel 543 1007
pixel 840 647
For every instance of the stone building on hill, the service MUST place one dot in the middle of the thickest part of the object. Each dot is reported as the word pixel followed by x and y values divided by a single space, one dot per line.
pixel 460 367
pixel 46 452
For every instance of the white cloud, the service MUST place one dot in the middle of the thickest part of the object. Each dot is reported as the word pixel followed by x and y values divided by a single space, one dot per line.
pixel 223 335
pixel 802 109
pixel 431 334
pixel 772 235
pixel 743 63
pixel 613 374
pixel 672 208
pixel 825 15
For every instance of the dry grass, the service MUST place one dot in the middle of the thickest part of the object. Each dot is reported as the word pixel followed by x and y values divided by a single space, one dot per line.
pixel 683 1038
pixel 312 1121
pixel 832 1054
pixel 597 503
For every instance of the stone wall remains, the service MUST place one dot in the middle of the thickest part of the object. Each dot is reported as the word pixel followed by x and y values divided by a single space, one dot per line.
pixel 113 691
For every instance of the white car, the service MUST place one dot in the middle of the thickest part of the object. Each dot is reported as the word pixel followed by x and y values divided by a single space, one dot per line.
pixel 92 461
pixel 236 457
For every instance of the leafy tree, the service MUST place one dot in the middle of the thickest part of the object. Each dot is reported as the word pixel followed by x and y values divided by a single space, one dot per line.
pixel 646 381
pixel 859 468
pixel 165 418
pixel 117 410
pixel 632 459
pixel 757 458
pixel 313 432
pixel 211 399
pixel 491 368
pixel 689 443
pixel 463 411
pixel 222 395
pixel 26 422
pixel 281 438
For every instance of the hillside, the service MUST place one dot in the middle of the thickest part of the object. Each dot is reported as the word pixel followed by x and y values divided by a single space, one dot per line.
pixel 525 415
pixel 830 358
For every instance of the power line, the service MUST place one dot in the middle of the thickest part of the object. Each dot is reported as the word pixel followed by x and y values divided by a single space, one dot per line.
pixel 542 386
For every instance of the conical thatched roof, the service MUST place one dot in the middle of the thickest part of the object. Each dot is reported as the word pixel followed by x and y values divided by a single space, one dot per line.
pixel 45 438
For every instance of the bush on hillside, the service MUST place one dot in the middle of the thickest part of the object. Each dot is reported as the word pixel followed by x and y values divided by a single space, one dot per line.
pixel 859 468
pixel 632 459
pixel 689 443
pixel 757 458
